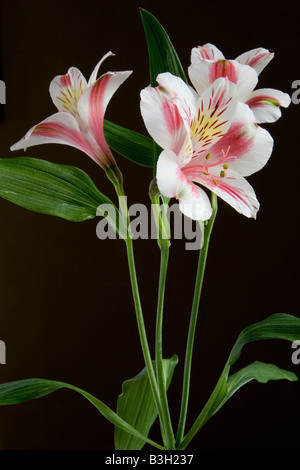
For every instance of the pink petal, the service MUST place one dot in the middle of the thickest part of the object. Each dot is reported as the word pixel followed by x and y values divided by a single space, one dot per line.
pixel 208 52
pixel 223 68
pixel 265 104
pixel 193 201
pixel 60 128
pixel 92 105
pixel 167 111
pixel 215 111
pixel 256 58
pixel 233 189
pixel 245 148
pixel 94 74
pixel 203 73
pixel 65 90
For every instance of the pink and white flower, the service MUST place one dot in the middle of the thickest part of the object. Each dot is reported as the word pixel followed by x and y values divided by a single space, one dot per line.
pixel 81 106
pixel 208 63
pixel 211 139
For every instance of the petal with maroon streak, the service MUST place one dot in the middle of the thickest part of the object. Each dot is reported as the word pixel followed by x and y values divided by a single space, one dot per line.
pixel 256 58
pixel 65 90
pixel 265 104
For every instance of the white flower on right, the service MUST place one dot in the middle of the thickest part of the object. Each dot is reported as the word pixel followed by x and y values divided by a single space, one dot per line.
pixel 210 138
pixel 208 63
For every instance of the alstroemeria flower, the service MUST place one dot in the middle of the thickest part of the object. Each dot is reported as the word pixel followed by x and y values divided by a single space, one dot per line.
pixel 208 63
pixel 211 139
pixel 79 121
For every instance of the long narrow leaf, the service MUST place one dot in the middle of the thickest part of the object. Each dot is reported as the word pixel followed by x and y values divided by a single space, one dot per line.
pixel 132 145
pixel 277 326
pixel 49 188
pixel 162 58
pixel 162 54
pixel 137 407
pixel 28 389
pixel 259 371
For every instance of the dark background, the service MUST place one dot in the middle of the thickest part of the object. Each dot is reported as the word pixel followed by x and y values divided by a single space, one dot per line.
pixel 66 306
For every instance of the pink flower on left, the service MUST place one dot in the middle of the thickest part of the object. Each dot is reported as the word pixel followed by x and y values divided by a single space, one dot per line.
pixel 81 107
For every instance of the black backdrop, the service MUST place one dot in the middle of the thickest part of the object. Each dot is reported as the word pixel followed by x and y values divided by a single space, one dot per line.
pixel 65 299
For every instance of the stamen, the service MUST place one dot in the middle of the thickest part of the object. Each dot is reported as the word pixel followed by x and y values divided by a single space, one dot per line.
pixel 225 166
pixel 208 156
pixel 222 174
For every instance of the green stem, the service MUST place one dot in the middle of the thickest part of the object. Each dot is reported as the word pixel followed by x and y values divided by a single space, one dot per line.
pixel 162 386
pixel 141 325
pixel 193 323
pixel 115 177
pixel 213 403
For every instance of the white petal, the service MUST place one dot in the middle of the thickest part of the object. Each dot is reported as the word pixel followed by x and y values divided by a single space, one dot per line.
pixel 93 102
pixel 167 111
pixel 65 90
pixel 199 73
pixel 193 201
pixel 102 90
pixel 257 156
pixel 94 74
pixel 215 111
pixel 245 148
pixel 178 90
pixel 233 189
pixel 167 171
pixel 208 51
pixel 247 80
pixel 60 128
pixel 203 73
pixel 256 58
pixel 265 104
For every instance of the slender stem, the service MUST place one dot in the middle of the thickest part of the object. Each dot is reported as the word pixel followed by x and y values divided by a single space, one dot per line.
pixel 209 409
pixel 115 177
pixel 162 386
pixel 141 325
pixel 193 323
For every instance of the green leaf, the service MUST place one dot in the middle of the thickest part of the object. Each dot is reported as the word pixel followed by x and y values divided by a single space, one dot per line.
pixel 132 145
pixel 162 55
pixel 23 390
pixel 259 371
pixel 137 407
pixel 162 58
pixel 277 326
pixel 49 188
